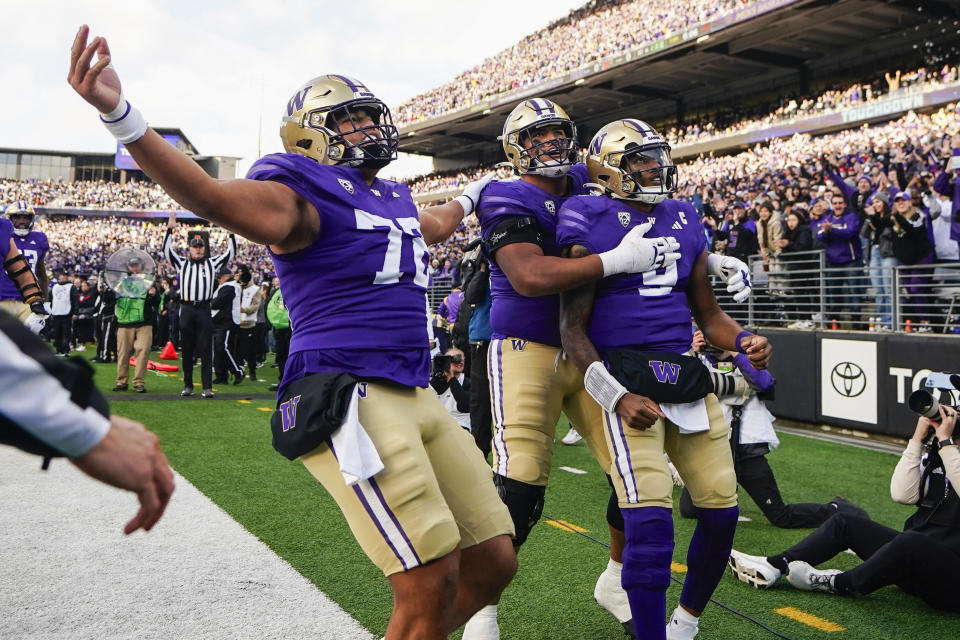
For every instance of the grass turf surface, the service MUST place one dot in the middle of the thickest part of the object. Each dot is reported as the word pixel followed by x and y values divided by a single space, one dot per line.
pixel 223 447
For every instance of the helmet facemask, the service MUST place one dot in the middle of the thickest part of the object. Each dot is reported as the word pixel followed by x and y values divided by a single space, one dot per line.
pixel 550 158
pixel 647 173
pixel 380 140
pixel 22 216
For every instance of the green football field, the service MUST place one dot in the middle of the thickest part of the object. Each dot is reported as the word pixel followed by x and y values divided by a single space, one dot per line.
pixel 223 447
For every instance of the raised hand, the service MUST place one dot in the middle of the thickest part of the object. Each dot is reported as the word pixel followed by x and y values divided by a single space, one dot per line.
pixel 98 84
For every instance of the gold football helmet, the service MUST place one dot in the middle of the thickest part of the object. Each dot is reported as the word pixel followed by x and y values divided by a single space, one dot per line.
pixel 629 160
pixel 321 113
pixel 551 157
pixel 22 216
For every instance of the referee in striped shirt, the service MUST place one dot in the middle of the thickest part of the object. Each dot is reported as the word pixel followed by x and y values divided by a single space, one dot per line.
pixel 197 284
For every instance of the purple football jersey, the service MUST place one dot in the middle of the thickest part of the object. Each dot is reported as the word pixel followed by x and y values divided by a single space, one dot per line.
pixel 357 295
pixel 644 310
pixel 511 314
pixel 33 246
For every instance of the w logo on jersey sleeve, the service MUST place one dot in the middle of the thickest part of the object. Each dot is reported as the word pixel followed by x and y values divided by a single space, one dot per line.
pixel 665 372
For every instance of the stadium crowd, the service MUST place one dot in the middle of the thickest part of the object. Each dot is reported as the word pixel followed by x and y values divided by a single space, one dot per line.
pixel 736 119
pixel 758 191
pixel 599 29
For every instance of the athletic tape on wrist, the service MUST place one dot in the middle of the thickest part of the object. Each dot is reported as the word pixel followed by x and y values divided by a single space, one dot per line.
pixel 466 202
pixel 125 123
pixel 603 387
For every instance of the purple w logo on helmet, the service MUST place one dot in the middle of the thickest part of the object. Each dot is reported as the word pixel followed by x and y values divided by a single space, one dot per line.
pixel 296 102
pixel 597 143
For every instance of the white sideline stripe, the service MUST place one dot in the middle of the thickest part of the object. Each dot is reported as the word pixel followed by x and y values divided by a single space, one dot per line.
pixel 67 570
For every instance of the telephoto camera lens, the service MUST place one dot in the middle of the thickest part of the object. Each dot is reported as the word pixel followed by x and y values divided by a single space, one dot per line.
pixel 923 403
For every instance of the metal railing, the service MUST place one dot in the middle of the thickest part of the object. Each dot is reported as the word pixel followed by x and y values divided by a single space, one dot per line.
pixel 803 291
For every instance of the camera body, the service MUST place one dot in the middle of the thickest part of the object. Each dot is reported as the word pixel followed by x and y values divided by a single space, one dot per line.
pixel 935 389
pixel 441 364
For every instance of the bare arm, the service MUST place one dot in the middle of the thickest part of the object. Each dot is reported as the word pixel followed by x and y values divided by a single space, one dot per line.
pixel 719 328
pixel 576 307
pixel 533 274
pixel 439 221
pixel 265 212
pixel 42 279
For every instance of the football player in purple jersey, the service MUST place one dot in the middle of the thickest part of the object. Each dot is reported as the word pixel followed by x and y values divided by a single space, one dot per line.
pixel 23 281
pixel 530 381
pixel 350 250
pixel 628 335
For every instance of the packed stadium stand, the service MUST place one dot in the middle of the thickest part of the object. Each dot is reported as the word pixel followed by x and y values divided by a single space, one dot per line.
pixel 761 100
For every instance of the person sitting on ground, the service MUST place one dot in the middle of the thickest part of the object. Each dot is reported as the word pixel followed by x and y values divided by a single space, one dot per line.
pixel 923 560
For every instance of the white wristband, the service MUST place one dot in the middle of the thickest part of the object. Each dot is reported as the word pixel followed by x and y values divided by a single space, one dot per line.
pixel 603 387
pixel 466 202
pixel 125 122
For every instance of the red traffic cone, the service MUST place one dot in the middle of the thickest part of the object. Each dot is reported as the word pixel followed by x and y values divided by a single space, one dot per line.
pixel 169 353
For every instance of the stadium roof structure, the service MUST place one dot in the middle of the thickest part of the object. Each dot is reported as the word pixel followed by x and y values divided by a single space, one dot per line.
pixel 772 44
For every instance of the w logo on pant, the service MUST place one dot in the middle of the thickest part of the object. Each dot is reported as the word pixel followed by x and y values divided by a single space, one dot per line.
pixel 665 371
pixel 288 413
pixel 517 345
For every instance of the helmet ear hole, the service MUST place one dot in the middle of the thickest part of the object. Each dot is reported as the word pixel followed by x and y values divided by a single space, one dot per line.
pixel 303 143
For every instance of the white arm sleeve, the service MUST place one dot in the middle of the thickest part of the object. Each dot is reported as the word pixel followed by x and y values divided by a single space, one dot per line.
pixel 39 403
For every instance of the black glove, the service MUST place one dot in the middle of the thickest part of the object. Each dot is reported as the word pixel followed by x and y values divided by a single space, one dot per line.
pixel 37 307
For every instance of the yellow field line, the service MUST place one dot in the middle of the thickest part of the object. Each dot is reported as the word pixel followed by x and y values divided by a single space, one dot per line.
pixel 566 526
pixel 264 409
pixel 243 401
pixel 676 567
pixel 809 619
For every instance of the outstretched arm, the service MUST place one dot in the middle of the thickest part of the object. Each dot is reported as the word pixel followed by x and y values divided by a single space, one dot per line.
pixel 264 212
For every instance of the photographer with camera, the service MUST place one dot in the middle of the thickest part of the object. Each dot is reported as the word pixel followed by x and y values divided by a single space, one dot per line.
pixel 923 560
pixel 452 386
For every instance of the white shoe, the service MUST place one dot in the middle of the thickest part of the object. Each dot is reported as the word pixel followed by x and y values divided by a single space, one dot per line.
pixel 754 570
pixel 483 625
pixel 572 437
pixel 804 577
pixel 610 595
pixel 680 626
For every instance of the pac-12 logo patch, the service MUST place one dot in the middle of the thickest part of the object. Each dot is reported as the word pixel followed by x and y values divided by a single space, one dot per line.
pixel 624 218
pixel 551 207
pixel 347 186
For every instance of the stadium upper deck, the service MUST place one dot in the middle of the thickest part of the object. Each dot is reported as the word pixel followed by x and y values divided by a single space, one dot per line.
pixel 768 45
